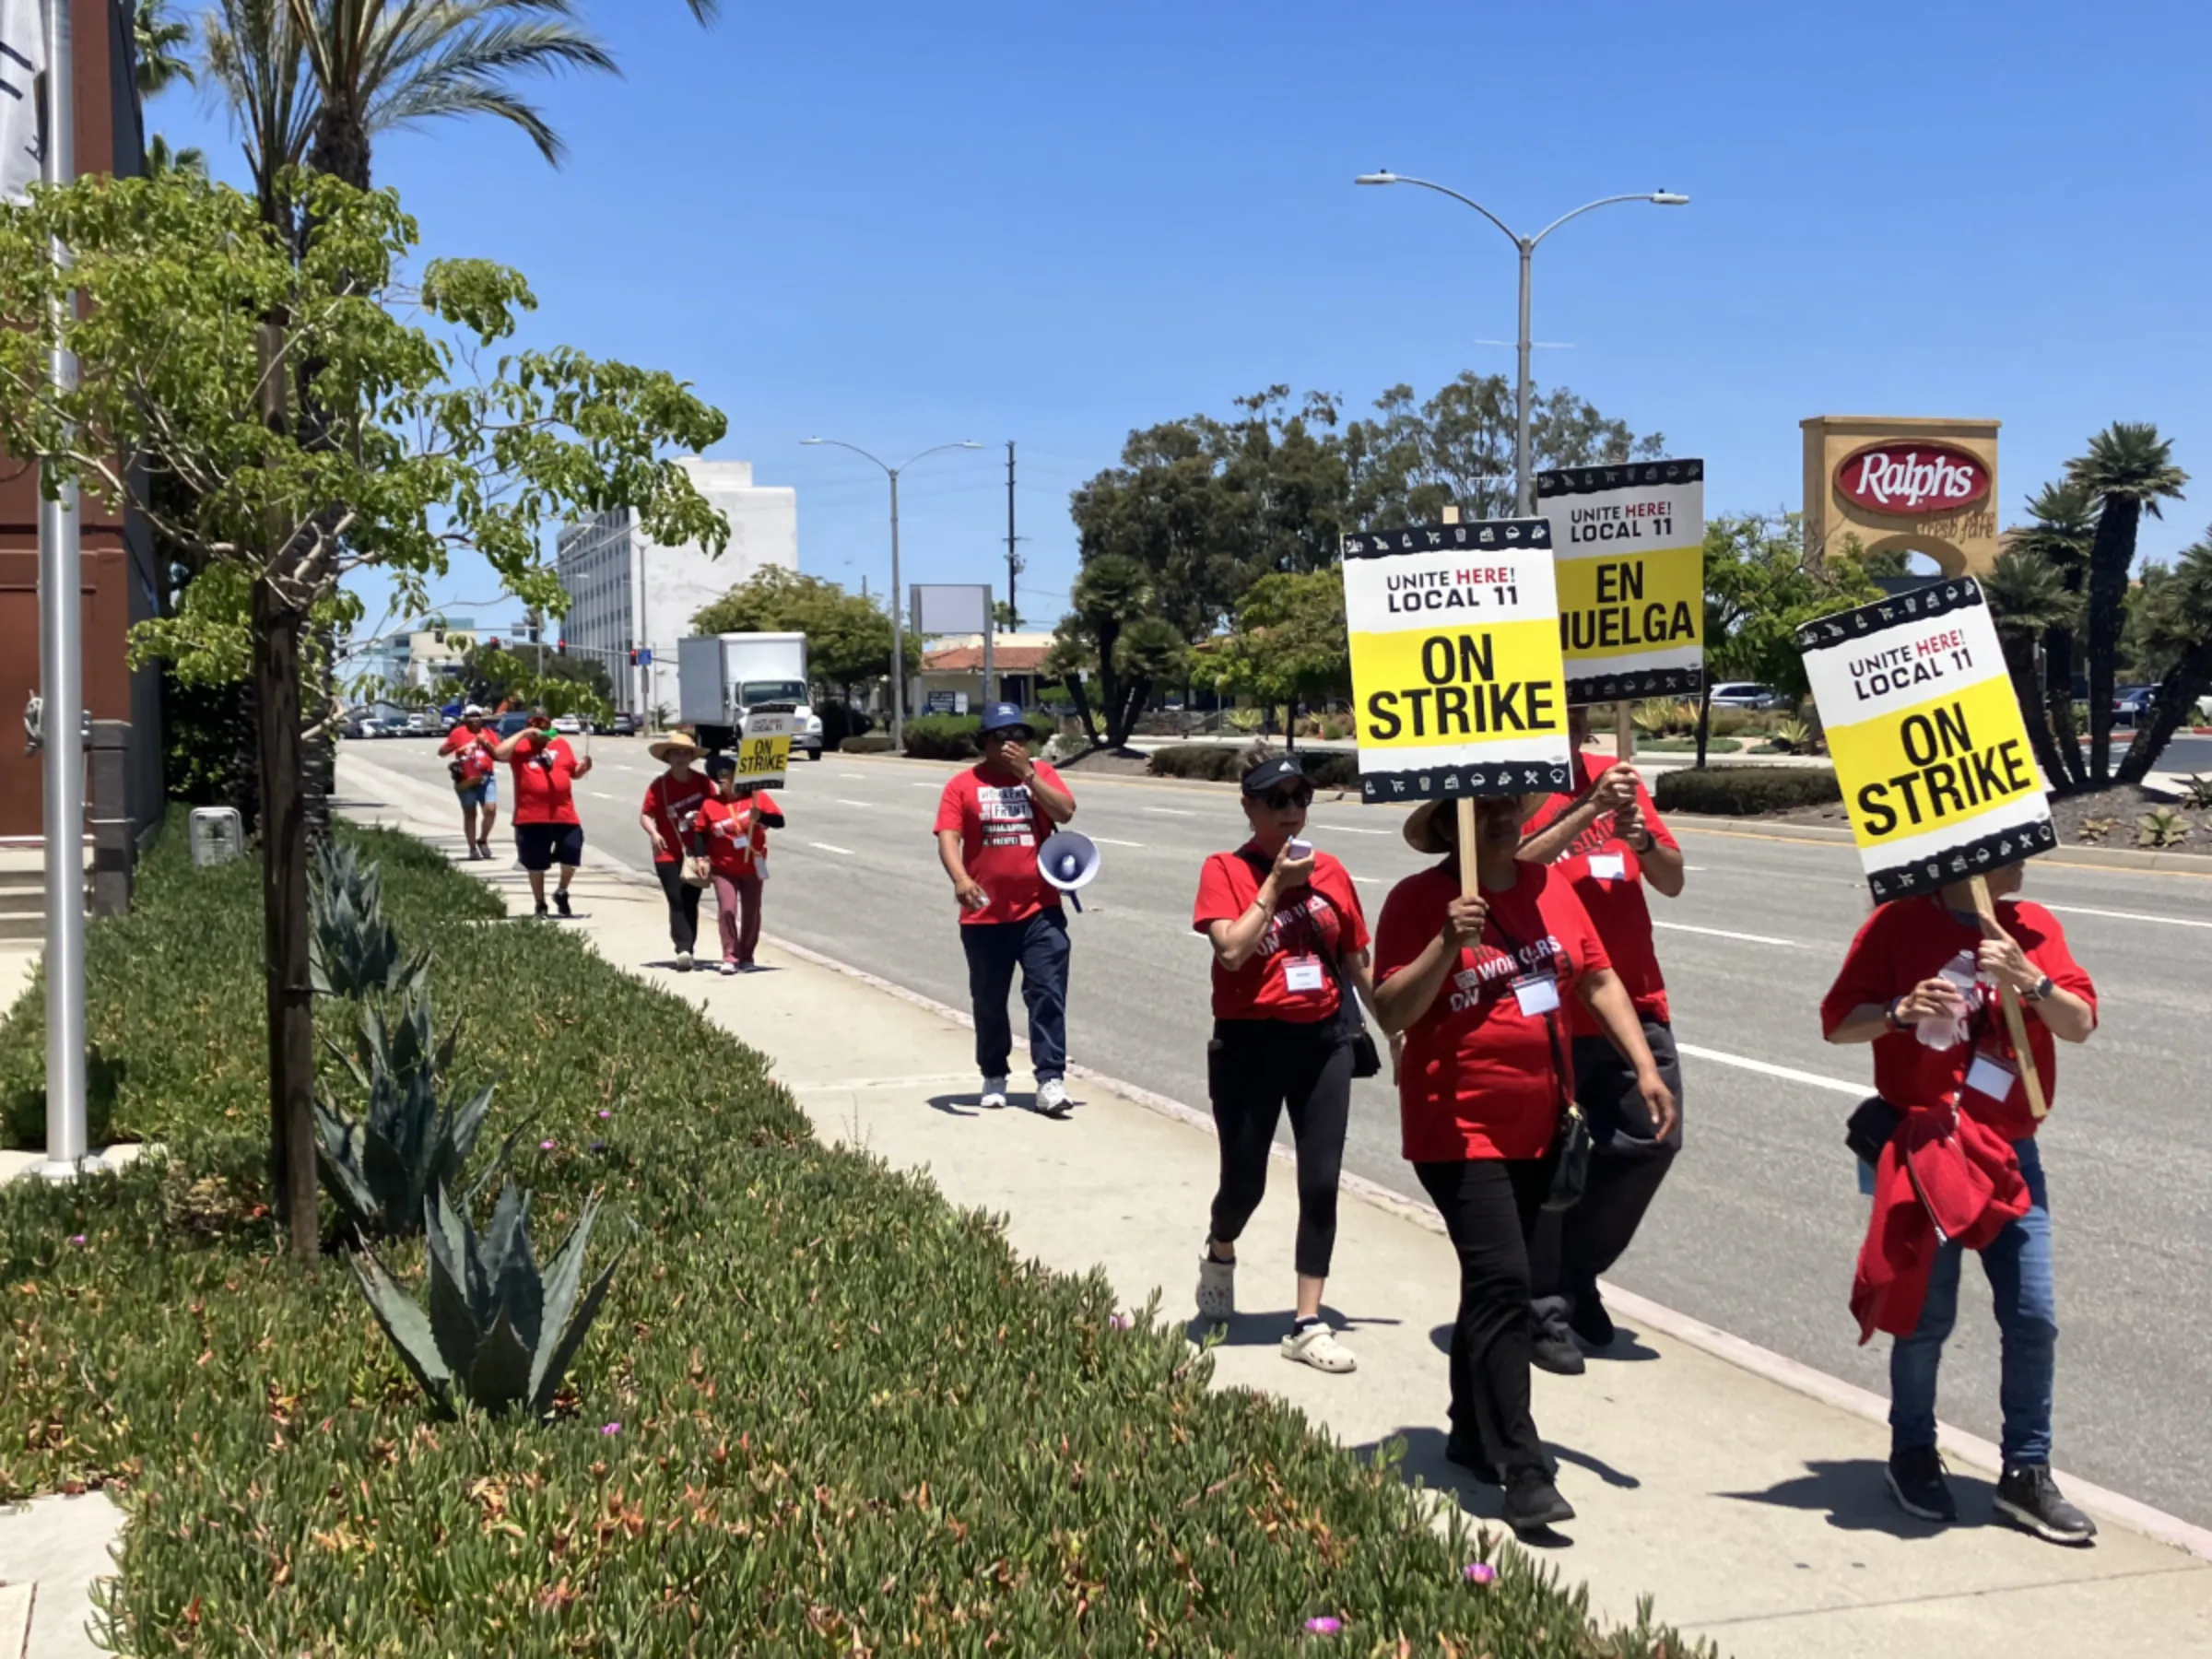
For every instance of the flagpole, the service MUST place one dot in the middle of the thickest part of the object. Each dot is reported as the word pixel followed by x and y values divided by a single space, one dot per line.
pixel 61 668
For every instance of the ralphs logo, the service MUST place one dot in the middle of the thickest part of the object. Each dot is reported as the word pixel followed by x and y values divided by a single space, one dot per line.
pixel 1912 479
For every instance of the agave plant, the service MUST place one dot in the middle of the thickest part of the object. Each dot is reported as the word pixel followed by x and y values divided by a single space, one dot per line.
pixel 2196 793
pixel 495 1333
pixel 2161 828
pixel 1662 717
pixel 353 947
pixel 1795 736
pixel 384 1167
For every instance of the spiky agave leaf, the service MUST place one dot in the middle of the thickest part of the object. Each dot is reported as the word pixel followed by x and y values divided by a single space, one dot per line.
pixel 499 1378
pixel 407 1325
pixel 452 1312
pixel 568 1320
pixel 338 1148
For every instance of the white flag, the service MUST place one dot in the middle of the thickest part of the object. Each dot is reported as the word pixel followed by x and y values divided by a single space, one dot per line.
pixel 22 57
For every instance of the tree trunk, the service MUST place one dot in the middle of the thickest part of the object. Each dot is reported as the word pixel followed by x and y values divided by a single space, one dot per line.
pixel 2185 682
pixel 2058 698
pixel 1704 721
pixel 1291 727
pixel 2112 557
pixel 277 631
pixel 2019 662
pixel 1075 690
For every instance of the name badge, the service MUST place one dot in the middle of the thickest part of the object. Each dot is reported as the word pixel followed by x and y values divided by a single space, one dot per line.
pixel 1608 866
pixel 1302 976
pixel 1991 1077
pixel 1538 994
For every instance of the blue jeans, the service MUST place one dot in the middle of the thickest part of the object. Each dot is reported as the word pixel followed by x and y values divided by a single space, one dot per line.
pixel 1039 948
pixel 2017 1263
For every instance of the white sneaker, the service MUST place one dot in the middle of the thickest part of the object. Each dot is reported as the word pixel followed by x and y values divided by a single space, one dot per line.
pixel 683 961
pixel 1217 1288
pixel 1317 1346
pixel 995 1094
pixel 729 967
pixel 1051 1098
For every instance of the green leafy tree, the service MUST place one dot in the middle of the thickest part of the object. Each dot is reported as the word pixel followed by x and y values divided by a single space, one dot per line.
pixel 2028 597
pixel 428 448
pixel 2177 628
pixel 1115 644
pixel 2127 471
pixel 848 635
pixel 1289 644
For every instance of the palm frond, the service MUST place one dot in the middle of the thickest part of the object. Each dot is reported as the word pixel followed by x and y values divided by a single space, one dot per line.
pixel 255 54
pixel 2128 460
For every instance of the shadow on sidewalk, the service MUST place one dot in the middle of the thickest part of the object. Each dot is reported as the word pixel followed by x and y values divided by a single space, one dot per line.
pixel 1625 1350
pixel 1268 1329
pixel 1856 1499
pixel 1424 1462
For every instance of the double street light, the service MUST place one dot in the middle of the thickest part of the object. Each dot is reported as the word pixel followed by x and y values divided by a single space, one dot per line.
pixel 898 624
pixel 1525 491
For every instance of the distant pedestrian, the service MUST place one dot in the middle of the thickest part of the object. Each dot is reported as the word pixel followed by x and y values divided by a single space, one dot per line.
pixel 1290 970
pixel 475 779
pixel 1476 982
pixel 991 819
pixel 734 824
pixel 547 829
pixel 1920 982
pixel 672 801
pixel 1609 840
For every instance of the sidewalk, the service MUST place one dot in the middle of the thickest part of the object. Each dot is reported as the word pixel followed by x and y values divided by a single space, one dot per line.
pixel 1752 1510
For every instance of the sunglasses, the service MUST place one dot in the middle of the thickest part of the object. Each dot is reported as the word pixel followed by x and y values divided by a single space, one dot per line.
pixel 1283 800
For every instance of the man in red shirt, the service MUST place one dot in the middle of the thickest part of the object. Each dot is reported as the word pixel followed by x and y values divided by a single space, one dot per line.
pixel 1919 983
pixel 990 820
pixel 475 779
pixel 547 828
pixel 1607 839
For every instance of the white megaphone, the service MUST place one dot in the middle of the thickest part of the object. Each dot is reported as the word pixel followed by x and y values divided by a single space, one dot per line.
pixel 1068 860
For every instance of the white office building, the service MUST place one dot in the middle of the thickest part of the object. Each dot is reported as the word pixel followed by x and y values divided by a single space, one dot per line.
pixel 627 592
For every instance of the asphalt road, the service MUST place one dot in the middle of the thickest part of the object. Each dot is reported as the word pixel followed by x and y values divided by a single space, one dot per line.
pixel 1758 1227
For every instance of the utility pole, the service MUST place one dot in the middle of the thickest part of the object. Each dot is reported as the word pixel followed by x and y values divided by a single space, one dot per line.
pixel 1013 558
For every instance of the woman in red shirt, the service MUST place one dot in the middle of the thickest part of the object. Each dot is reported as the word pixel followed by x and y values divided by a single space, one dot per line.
pixel 1477 982
pixel 1290 945
pixel 672 800
pixel 734 824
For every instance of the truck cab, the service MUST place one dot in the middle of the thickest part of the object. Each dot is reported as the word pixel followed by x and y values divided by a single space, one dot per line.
pixel 722 679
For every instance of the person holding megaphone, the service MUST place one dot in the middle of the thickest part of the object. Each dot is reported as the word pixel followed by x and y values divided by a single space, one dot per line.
pixel 1289 973
pixel 990 821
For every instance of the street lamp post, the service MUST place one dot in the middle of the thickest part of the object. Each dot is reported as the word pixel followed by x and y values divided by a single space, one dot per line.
pixel 898 624
pixel 1524 486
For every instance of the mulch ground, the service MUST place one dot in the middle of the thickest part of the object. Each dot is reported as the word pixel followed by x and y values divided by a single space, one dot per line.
pixel 2104 819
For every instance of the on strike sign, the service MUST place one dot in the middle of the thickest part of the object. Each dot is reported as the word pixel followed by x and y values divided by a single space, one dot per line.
pixel 1929 745
pixel 1628 543
pixel 1457 688
pixel 764 751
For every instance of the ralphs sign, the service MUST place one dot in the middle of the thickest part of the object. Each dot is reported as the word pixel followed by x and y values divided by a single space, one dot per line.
pixel 1912 480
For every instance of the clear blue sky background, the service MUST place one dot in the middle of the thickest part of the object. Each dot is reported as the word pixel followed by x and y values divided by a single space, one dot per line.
pixel 901 225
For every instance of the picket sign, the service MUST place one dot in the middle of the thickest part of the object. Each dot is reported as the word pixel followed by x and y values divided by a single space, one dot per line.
pixel 764 751
pixel 1938 778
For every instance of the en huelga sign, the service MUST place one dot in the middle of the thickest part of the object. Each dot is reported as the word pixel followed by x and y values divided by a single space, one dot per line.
pixel 1628 547
pixel 1930 748
pixel 1457 686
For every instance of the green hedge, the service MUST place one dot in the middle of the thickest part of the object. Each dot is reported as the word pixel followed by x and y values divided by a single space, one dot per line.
pixel 1224 762
pixel 823 1412
pixel 1746 790
pixel 944 737
pixel 874 742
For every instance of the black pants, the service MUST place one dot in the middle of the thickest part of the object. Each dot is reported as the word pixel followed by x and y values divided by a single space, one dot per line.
pixel 1255 1069
pixel 1489 1207
pixel 1039 948
pixel 683 903
pixel 1572 1247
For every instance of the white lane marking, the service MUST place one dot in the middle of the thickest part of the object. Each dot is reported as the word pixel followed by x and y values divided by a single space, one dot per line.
pixel 854 778
pixel 1371 880
pixel 826 847
pixel 925 787
pixel 2083 909
pixel 1171 812
pixel 1694 869
pixel 599 795
pixel 1721 933
pixel 1789 1074
pixel 842 802
pixel 1348 830
pixel 1108 840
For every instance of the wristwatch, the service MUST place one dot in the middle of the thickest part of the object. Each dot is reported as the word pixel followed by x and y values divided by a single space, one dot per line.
pixel 2044 987
pixel 1889 1016
pixel 1649 842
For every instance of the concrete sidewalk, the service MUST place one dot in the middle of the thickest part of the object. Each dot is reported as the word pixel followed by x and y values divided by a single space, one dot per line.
pixel 1745 1495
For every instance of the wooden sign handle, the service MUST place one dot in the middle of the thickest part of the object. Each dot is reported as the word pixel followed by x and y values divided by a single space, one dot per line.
pixel 1624 730
pixel 1468 888
pixel 2015 1023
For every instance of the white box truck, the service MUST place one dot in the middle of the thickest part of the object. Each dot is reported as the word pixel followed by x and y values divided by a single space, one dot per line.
pixel 721 678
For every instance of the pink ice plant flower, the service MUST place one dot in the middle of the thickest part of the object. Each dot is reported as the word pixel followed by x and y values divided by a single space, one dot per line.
pixel 76 1239
pixel 544 1145
pixel 1324 1625
pixel 610 1428
pixel 1481 1572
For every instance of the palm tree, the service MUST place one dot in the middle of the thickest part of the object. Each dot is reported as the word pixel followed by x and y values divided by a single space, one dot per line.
pixel 2129 470
pixel 2178 618
pixel 2063 523
pixel 156 40
pixel 2028 597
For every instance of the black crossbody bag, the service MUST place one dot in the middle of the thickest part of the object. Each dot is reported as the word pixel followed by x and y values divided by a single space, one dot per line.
pixel 1367 1059
pixel 1571 1145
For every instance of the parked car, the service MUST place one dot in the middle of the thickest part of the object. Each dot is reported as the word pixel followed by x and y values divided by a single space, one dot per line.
pixel 2131 703
pixel 352 728
pixel 622 725
pixel 1743 694
pixel 375 728
pixel 568 725
pixel 419 725
pixel 507 725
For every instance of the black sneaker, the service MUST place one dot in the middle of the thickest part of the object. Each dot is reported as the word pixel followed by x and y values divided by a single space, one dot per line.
pixel 1532 1504
pixel 1917 1482
pixel 561 901
pixel 1554 1351
pixel 1590 1321
pixel 540 914
pixel 2031 1499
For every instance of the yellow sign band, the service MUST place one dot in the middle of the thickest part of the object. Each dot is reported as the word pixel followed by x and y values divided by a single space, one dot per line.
pixel 1936 765
pixel 1458 684
pixel 1631 604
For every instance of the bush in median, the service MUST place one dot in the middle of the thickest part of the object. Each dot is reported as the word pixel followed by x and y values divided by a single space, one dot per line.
pixel 823 1412
pixel 1225 762
pixel 944 737
pixel 875 743
pixel 1746 790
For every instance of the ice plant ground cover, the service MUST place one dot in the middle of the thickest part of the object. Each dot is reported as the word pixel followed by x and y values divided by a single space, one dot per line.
pixel 821 1412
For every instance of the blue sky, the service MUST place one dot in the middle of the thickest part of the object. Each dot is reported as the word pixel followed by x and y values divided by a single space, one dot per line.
pixel 903 224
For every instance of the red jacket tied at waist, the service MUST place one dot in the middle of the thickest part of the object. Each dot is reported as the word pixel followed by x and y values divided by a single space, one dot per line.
pixel 1942 1175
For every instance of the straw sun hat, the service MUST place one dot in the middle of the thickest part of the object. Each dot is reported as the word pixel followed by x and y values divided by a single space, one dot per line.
pixel 1424 835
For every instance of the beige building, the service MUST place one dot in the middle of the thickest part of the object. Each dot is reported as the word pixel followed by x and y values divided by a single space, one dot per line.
pixel 1916 484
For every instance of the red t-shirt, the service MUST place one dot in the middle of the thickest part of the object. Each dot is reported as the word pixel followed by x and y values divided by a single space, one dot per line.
pixel 1612 894
pixel 1000 826
pixel 473 750
pixel 736 831
pixel 1303 930
pixel 1908 940
pixel 545 782
pixel 1480 1075
pixel 670 802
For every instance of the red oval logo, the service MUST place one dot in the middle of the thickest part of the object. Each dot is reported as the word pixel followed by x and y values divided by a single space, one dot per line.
pixel 1912 480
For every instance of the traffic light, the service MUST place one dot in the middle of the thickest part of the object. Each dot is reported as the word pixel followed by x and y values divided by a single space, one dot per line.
pixel 633 657
pixel 560 648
